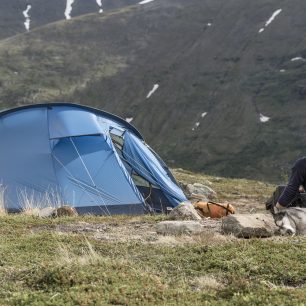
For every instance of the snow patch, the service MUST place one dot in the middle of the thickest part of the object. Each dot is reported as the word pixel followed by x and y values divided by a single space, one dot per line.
pixel 129 119
pixel 145 1
pixel 68 9
pixel 299 58
pixel 273 17
pixel 155 87
pixel 196 125
pixel 203 114
pixel 268 22
pixel 264 118
pixel 27 17
pixel 99 2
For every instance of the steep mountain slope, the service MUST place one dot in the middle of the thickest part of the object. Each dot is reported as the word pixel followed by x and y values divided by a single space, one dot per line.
pixel 229 78
pixel 41 12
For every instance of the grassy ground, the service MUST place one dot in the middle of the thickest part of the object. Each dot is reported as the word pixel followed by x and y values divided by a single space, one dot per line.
pixel 245 195
pixel 122 261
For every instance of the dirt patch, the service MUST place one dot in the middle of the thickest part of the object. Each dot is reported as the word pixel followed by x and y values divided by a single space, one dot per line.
pixel 139 231
pixel 248 206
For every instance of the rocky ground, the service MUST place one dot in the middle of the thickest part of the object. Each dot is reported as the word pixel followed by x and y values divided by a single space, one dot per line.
pixel 247 197
pixel 122 260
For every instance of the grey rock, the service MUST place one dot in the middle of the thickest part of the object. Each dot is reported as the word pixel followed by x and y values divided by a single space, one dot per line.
pixel 179 227
pixel 200 189
pixel 65 211
pixel 46 212
pixel 184 211
pixel 249 225
pixel 54 212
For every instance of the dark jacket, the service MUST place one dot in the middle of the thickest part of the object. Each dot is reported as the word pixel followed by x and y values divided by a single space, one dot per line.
pixel 297 178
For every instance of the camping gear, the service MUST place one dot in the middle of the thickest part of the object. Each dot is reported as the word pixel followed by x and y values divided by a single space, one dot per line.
pixel 213 210
pixel 66 154
pixel 298 201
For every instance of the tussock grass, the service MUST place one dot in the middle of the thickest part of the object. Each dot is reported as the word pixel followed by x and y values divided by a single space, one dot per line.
pixel 88 255
pixel 3 210
pixel 31 204
pixel 206 282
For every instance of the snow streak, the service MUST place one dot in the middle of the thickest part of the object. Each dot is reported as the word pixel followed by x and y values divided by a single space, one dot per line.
pixel 263 118
pixel 196 125
pixel 299 58
pixel 68 9
pixel 270 20
pixel 145 1
pixel 129 119
pixel 99 2
pixel 27 17
pixel 155 87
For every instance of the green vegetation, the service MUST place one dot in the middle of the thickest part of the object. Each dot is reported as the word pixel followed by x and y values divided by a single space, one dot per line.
pixel 42 266
pixel 122 261
pixel 228 189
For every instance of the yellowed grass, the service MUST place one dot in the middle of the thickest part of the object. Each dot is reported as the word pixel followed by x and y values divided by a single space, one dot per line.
pixel 67 257
pixel 31 205
pixel 3 210
pixel 206 282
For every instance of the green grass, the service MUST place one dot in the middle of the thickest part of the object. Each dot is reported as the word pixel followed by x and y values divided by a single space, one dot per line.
pixel 50 268
pixel 228 189
pixel 40 264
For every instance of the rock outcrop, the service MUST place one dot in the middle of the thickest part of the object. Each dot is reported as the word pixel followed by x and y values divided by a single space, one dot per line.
pixel 184 211
pixel 249 225
pixel 198 191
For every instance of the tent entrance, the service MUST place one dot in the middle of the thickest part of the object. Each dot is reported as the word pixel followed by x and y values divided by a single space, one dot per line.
pixel 151 192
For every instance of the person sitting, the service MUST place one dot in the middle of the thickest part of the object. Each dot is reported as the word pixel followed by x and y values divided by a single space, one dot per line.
pixel 293 194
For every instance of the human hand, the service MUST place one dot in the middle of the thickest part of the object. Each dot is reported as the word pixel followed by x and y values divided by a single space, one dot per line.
pixel 278 208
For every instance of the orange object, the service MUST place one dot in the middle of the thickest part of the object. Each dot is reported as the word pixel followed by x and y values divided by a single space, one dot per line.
pixel 214 210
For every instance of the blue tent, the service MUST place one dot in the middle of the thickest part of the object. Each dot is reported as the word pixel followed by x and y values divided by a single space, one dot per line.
pixel 62 153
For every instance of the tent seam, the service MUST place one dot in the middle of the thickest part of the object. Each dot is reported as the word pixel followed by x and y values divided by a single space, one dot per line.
pixel 51 156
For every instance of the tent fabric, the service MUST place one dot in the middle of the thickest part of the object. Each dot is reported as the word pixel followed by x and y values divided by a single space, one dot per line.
pixel 146 164
pixel 56 154
pixel 65 122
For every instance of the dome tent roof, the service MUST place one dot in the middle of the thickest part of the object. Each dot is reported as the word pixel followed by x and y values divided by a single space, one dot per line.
pixel 64 153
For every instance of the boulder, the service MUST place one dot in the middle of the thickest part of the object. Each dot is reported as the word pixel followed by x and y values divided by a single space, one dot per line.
pixel 184 211
pixel 46 212
pixel 249 225
pixel 198 189
pixel 65 211
pixel 62 211
pixel 179 227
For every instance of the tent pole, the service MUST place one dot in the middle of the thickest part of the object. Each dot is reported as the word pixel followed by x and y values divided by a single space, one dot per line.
pixel 78 183
pixel 82 161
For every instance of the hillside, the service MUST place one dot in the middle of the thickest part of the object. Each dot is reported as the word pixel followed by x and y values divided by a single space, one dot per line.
pixel 229 78
pixel 42 12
